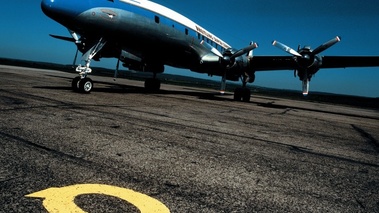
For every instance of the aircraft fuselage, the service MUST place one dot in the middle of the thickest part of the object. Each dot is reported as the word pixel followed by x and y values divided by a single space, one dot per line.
pixel 156 34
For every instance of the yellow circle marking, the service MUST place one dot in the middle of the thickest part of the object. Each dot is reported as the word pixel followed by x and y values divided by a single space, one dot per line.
pixel 62 199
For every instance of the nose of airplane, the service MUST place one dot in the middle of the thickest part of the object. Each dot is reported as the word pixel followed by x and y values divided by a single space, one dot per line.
pixel 63 9
pixel 56 9
pixel 46 6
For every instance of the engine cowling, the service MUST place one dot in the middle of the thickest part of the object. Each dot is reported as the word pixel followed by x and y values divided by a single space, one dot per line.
pixel 308 60
pixel 144 67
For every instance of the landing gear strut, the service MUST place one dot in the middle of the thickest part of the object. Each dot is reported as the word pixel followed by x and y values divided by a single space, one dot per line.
pixel 243 93
pixel 82 83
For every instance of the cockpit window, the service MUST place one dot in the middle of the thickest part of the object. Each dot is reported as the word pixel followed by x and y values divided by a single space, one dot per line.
pixel 156 18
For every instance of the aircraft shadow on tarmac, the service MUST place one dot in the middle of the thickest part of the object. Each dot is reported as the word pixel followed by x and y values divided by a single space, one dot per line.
pixel 118 88
pixel 128 89
pixel 214 96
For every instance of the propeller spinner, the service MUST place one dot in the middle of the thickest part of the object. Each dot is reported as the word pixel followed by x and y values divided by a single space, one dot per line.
pixel 308 61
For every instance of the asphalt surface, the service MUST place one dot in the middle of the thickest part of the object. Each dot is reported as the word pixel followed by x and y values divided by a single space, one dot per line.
pixel 187 148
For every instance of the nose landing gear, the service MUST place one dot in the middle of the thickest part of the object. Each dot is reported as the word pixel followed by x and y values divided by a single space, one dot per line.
pixel 82 83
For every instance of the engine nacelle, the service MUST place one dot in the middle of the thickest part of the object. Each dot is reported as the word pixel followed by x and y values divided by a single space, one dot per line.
pixel 308 59
pixel 136 63
pixel 153 67
pixel 136 66
pixel 143 67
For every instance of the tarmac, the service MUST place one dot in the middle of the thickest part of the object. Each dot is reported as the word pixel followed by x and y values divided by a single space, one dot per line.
pixel 183 149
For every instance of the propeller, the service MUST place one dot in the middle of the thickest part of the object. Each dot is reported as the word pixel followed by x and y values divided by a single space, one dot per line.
pixel 75 39
pixel 308 61
pixel 228 58
pixel 326 45
pixel 64 38
pixel 286 48
pixel 245 50
pixel 77 42
pixel 75 36
pixel 316 51
pixel 213 50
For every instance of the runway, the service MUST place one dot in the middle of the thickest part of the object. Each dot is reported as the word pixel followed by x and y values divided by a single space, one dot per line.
pixel 189 149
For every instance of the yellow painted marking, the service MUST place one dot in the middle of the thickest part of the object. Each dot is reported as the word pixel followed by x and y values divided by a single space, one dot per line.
pixel 57 200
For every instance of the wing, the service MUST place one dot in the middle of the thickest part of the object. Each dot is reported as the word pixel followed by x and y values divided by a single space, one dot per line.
pixel 349 61
pixel 268 63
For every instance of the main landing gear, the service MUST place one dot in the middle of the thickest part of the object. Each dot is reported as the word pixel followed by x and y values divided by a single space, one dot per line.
pixel 153 84
pixel 243 93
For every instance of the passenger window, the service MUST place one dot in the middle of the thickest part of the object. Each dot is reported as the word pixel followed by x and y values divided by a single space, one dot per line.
pixel 157 19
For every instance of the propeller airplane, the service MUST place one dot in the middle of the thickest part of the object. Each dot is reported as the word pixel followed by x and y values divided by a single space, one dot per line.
pixel 146 36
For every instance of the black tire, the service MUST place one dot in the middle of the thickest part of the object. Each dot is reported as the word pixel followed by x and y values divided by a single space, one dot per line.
pixel 152 85
pixel 246 95
pixel 75 84
pixel 242 94
pixel 238 94
pixel 85 85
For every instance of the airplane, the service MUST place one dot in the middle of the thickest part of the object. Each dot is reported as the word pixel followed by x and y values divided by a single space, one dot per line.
pixel 146 36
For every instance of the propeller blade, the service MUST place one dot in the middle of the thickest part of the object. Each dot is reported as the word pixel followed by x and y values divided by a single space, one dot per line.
pixel 326 45
pixel 63 38
pixel 74 36
pixel 223 84
pixel 244 50
pixel 213 50
pixel 305 86
pixel 286 48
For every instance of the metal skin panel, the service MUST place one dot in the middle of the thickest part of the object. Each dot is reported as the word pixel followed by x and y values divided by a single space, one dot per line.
pixel 133 28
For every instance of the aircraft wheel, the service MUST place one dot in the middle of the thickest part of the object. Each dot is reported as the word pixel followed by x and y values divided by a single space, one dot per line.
pixel 85 85
pixel 152 84
pixel 246 95
pixel 75 84
pixel 238 94
pixel 242 94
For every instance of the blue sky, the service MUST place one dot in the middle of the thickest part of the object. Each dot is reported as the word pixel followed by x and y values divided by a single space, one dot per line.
pixel 25 35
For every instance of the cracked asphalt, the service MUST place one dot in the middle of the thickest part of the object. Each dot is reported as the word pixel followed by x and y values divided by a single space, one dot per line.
pixel 189 148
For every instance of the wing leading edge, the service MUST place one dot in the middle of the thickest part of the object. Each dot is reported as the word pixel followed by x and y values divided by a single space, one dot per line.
pixel 349 61
pixel 270 63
